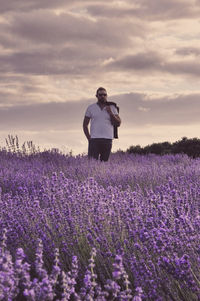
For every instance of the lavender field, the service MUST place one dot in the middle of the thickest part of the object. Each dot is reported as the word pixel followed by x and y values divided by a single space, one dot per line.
pixel 79 229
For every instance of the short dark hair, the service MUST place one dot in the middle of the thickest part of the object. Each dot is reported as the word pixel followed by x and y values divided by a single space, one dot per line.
pixel 99 89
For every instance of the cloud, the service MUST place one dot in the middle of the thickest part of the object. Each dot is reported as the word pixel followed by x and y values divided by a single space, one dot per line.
pixel 186 51
pixel 38 63
pixel 153 62
pixel 167 9
pixel 48 28
pixel 27 6
pixel 174 110
pixel 67 61
pixel 145 119
pixel 43 116
pixel 140 61
pixel 55 53
pixel 135 110
pixel 183 67
pixel 43 43
pixel 147 10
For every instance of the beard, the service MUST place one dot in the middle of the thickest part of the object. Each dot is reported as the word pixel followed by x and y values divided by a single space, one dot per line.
pixel 102 100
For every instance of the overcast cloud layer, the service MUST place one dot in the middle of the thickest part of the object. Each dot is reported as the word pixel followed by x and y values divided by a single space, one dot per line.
pixel 55 54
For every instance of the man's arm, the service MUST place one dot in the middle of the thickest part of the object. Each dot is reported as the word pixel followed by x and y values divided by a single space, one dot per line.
pixel 85 127
pixel 115 119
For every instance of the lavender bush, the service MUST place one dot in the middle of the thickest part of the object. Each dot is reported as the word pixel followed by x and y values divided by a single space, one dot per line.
pixel 79 229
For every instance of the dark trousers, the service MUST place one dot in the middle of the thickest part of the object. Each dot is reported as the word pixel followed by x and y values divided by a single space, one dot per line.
pixel 99 147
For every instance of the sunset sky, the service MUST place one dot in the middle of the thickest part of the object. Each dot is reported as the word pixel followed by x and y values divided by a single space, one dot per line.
pixel 55 54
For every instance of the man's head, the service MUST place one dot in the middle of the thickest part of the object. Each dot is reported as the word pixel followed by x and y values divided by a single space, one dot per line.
pixel 101 95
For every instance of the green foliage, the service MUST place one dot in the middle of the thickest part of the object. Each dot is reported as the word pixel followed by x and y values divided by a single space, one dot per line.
pixel 190 147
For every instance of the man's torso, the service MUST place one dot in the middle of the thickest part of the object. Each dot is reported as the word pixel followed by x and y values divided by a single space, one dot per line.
pixel 100 126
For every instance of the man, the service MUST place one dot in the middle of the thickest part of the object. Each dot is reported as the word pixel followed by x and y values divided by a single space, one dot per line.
pixel 103 118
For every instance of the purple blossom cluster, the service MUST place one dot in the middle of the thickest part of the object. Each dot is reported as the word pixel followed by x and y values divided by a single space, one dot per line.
pixel 79 229
pixel 18 283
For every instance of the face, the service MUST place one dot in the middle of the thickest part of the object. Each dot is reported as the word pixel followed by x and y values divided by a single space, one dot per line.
pixel 102 96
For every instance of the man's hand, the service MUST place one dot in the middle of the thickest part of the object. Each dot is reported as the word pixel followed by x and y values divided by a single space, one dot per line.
pixel 115 119
pixel 85 127
pixel 108 109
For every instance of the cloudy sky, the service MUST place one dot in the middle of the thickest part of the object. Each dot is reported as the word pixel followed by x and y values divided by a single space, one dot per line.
pixel 55 54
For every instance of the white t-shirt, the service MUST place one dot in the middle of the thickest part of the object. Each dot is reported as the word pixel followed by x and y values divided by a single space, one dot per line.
pixel 100 126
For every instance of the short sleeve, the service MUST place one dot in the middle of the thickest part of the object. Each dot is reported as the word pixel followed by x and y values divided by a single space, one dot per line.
pixel 114 110
pixel 88 112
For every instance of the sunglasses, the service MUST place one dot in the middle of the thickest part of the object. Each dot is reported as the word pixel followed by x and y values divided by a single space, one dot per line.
pixel 102 94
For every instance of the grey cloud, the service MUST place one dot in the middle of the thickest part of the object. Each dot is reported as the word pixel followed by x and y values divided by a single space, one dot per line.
pixel 184 67
pixel 38 64
pixel 6 38
pixel 123 14
pixel 60 44
pixel 13 79
pixel 69 61
pixel 73 61
pixel 184 51
pixel 19 94
pixel 8 98
pixel 179 110
pixel 140 61
pixel 30 5
pixel 147 10
pixel 47 28
pixel 167 9
pixel 55 116
pixel 43 43
pixel 153 62
pixel 143 9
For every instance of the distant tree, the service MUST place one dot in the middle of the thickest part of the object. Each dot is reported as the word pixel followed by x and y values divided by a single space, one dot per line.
pixel 135 149
pixel 158 148
pixel 120 152
pixel 191 147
